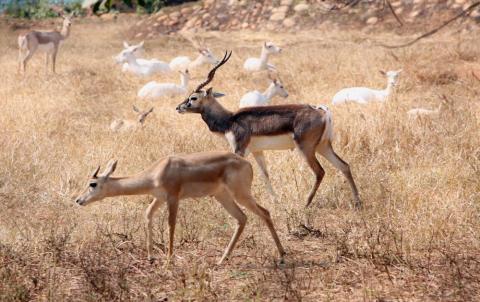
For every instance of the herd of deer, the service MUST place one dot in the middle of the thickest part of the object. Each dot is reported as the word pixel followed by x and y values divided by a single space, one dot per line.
pixel 254 128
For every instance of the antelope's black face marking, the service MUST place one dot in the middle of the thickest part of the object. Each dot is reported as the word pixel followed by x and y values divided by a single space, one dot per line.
pixel 192 104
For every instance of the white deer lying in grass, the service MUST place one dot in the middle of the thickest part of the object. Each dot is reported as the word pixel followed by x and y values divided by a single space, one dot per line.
pixel 419 112
pixel 258 64
pixel 121 125
pixel 364 95
pixel 154 90
pixel 141 67
pixel 182 62
pixel 205 56
pixel 256 98
pixel 224 175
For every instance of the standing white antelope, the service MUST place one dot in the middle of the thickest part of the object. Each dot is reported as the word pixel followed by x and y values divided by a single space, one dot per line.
pixel 255 129
pixel 154 90
pixel 121 125
pixel 47 41
pixel 141 67
pixel 364 95
pixel 256 98
pixel 224 175
pixel 258 64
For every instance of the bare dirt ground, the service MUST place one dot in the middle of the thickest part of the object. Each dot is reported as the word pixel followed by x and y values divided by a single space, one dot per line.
pixel 417 239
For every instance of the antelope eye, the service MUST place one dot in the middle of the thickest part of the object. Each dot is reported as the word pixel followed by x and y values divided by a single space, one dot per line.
pixel 281 86
pixel 93 185
pixel 193 98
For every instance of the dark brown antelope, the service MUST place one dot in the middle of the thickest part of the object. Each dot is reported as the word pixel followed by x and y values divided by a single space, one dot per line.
pixel 47 41
pixel 224 175
pixel 254 129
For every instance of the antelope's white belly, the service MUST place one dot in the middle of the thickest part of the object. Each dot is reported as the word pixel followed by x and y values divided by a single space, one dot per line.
pixel 277 142
pixel 46 47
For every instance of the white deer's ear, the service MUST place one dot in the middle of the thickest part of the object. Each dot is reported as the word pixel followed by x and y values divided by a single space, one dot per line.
pixel 111 166
pixel 125 44
pixel 218 94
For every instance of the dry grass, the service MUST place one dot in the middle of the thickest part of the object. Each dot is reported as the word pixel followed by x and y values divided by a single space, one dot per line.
pixel 416 239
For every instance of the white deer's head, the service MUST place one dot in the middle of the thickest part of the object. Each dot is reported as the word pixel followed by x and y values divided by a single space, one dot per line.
pixel 135 50
pixel 392 76
pixel 271 48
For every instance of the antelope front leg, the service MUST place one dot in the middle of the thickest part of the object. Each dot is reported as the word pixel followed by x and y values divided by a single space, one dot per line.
pixel 260 159
pixel 154 205
pixel 172 204
pixel 54 59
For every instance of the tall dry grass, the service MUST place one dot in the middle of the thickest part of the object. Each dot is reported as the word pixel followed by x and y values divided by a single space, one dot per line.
pixel 416 239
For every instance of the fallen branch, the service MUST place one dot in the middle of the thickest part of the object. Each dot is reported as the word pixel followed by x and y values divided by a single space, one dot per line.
pixel 464 13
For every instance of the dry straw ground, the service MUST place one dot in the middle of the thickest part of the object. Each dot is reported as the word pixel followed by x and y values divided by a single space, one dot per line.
pixel 417 238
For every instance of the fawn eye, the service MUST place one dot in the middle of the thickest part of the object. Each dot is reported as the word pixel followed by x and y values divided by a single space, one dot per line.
pixel 93 185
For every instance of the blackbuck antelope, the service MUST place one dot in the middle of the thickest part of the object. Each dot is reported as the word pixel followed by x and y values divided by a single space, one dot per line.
pixel 47 41
pixel 224 175
pixel 255 129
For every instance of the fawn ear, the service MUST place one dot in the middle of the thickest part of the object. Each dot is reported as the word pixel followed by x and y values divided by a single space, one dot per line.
pixel 125 44
pixel 94 174
pixel 111 166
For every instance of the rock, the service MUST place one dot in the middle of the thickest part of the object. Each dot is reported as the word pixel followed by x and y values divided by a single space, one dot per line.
pixel 174 15
pixel 283 9
pixel 244 25
pixel 161 18
pixel 271 26
pixel 208 2
pixel 286 2
pixel 301 8
pixel 222 17
pixel 186 11
pixel 289 22
pixel 277 17
pixel 139 35
pixel 372 20
pixel 206 16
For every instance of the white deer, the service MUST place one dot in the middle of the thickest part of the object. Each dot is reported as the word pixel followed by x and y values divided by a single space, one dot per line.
pixel 122 125
pixel 256 98
pixel 47 41
pixel 136 65
pixel 258 64
pixel 364 95
pixel 155 90
pixel 224 175
pixel 182 62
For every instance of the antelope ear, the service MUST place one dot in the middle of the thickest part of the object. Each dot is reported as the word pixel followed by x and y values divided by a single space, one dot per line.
pixel 209 91
pixel 111 166
pixel 218 94
pixel 94 174
pixel 125 44
pixel 141 44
